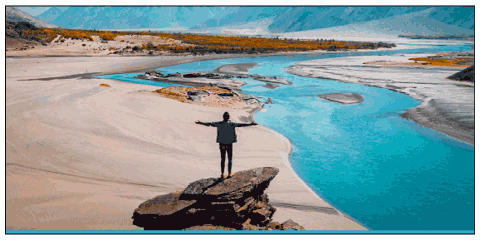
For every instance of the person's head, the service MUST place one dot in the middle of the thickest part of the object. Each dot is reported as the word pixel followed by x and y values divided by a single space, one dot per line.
pixel 226 116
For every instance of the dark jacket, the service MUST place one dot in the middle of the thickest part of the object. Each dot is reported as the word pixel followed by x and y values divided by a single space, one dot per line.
pixel 226 130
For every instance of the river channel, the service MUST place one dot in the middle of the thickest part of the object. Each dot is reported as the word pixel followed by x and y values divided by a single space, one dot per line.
pixel 386 172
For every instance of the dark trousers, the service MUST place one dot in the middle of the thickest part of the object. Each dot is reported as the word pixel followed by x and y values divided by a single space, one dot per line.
pixel 226 148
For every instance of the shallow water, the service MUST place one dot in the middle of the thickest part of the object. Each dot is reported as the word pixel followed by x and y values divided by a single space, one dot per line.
pixel 384 171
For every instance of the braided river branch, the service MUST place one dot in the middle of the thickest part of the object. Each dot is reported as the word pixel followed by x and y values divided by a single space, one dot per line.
pixel 452 113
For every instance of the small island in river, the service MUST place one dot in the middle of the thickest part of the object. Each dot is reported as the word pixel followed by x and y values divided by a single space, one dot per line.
pixel 343 98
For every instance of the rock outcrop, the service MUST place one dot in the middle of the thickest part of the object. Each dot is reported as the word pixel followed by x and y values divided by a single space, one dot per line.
pixel 197 96
pixel 226 95
pixel 208 75
pixel 248 98
pixel 467 74
pixel 151 75
pixel 237 203
pixel 187 77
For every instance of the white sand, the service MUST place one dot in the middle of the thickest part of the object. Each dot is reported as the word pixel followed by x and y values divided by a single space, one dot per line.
pixel 80 156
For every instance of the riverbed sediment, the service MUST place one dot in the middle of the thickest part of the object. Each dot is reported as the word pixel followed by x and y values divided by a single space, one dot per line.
pixel 448 106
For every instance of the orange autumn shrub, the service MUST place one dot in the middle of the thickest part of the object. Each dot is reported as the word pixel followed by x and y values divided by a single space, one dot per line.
pixel 201 44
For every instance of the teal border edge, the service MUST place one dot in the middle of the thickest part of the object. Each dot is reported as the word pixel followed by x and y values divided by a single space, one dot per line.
pixel 238 232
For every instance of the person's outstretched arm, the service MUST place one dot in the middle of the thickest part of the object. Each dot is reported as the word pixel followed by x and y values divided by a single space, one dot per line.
pixel 209 124
pixel 245 124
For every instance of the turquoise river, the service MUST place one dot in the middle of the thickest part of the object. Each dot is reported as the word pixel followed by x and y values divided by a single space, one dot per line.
pixel 386 172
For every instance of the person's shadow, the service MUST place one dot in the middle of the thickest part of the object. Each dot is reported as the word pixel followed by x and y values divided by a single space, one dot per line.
pixel 219 180
pixel 186 196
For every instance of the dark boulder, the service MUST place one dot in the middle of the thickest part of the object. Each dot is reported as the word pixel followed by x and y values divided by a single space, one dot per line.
pixel 208 75
pixel 226 95
pixel 192 75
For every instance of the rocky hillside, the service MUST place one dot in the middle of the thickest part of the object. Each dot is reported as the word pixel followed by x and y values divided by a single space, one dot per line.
pixel 15 38
pixel 12 14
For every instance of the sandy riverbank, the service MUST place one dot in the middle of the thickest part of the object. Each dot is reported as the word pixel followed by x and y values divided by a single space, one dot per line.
pixel 81 156
pixel 448 106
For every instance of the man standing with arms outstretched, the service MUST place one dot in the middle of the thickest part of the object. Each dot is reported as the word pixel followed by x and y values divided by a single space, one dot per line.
pixel 226 136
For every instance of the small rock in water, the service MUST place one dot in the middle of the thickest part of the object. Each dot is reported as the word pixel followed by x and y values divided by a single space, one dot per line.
pixel 343 98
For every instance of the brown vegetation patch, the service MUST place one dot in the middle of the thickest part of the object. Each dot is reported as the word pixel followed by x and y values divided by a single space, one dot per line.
pixel 440 60
pixel 104 85
pixel 214 100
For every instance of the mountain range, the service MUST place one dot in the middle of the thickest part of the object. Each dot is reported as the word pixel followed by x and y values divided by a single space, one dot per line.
pixel 34 11
pixel 12 14
pixel 266 20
